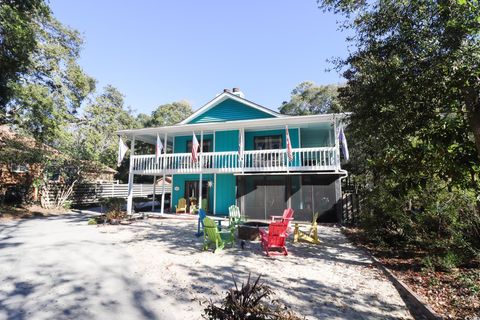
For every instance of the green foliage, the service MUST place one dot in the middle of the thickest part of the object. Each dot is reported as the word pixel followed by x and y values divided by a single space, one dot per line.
pixel 92 221
pixel 95 137
pixel 17 34
pixel 113 204
pixel 308 98
pixel 166 114
pixel 248 302
pixel 51 88
pixel 413 87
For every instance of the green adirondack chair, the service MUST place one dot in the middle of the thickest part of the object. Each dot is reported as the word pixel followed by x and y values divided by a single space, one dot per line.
pixel 234 216
pixel 211 235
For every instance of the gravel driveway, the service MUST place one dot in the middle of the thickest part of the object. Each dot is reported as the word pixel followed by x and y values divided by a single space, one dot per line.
pixel 61 268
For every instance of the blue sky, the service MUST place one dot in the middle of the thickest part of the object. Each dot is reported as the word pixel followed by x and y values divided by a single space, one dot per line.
pixel 157 52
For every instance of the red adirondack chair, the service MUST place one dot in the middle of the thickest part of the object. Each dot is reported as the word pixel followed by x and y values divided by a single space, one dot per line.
pixel 275 238
pixel 286 217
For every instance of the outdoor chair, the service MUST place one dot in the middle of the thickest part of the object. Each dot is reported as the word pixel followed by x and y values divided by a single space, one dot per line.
pixel 201 215
pixel 181 206
pixel 287 216
pixel 311 236
pixel 212 236
pixel 234 216
pixel 275 238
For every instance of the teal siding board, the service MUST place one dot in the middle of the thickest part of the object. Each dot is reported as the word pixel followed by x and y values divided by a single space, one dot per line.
pixel 226 140
pixel 225 193
pixel 230 110
pixel 225 190
pixel 179 180
pixel 181 142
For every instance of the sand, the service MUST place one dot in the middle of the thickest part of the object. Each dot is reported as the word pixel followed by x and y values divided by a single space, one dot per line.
pixel 61 268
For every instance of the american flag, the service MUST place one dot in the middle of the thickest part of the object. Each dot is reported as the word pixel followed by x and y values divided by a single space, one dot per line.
pixel 195 145
pixel 158 148
pixel 289 145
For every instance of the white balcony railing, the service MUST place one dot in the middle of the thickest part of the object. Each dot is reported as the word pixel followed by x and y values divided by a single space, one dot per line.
pixel 304 159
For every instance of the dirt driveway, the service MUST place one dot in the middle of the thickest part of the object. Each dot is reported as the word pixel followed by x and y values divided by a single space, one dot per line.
pixel 61 268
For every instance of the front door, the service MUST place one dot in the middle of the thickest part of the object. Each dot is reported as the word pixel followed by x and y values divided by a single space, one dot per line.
pixel 192 193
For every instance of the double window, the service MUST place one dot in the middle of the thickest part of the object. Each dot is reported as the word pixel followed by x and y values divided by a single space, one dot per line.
pixel 268 142
pixel 207 145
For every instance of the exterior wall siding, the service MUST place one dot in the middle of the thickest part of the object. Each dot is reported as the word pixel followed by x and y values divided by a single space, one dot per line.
pixel 225 193
pixel 230 110
pixel 181 142
pixel 178 180
pixel 226 140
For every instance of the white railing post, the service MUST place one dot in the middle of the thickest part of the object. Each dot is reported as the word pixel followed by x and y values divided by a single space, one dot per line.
pixel 162 210
pixel 337 153
pixel 130 178
pixel 199 204
pixel 153 195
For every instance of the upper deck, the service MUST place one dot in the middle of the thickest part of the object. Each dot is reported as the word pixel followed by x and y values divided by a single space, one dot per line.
pixel 242 146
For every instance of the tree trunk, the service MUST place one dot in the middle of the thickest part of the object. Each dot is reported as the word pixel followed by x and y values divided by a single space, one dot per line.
pixel 474 117
pixel 472 102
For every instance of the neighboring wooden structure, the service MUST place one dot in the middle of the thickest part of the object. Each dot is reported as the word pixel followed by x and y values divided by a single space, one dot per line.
pixel 90 193
pixel 17 177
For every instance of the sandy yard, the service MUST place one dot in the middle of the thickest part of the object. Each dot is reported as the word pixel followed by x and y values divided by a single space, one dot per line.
pixel 61 268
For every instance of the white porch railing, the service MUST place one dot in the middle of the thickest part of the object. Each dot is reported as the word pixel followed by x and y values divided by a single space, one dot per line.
pixel 304 159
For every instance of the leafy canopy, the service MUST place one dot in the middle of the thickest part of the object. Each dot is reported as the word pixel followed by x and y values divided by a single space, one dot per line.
pixel 413 85
pixel 308 98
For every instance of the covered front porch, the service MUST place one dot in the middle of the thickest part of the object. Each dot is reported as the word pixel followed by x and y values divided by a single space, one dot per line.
pixel 284 145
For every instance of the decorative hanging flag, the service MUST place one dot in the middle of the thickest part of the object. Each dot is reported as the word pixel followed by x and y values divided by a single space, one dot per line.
pixel 195 145
pixel 122 149
pixel 158 149
pixel 289 145
pixel 343 141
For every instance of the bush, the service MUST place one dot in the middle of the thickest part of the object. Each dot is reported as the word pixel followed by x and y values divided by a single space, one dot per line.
pixel 445 223
pixel 249 303
pixel 114 209
pixel 92 221
pixel 113 204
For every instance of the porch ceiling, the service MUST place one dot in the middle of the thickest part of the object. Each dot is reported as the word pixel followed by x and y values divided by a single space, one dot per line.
pixel 148 135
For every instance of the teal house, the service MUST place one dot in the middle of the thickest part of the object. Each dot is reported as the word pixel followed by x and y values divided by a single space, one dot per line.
pixel 243 159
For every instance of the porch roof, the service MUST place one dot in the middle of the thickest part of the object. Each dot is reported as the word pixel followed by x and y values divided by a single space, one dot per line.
pixel 148 135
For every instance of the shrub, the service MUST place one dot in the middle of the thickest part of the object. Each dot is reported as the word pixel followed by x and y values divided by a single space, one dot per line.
pixel 114 208
pixel 432 218
pixel 249 303
pixel 92 221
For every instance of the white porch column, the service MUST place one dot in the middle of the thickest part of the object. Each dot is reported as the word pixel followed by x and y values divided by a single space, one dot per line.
pixel 130 178
pixel 286 148
pixel 214 180
pixel 201 171
pixel 242 148
pixel 215 194
pixel 337 149
pixel 153 197
pixel 164 168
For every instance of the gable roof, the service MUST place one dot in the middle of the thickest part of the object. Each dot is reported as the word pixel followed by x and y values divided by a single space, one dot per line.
pixel 225 96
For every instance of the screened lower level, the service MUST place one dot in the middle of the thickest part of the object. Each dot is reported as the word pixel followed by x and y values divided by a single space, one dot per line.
pixel 260 196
